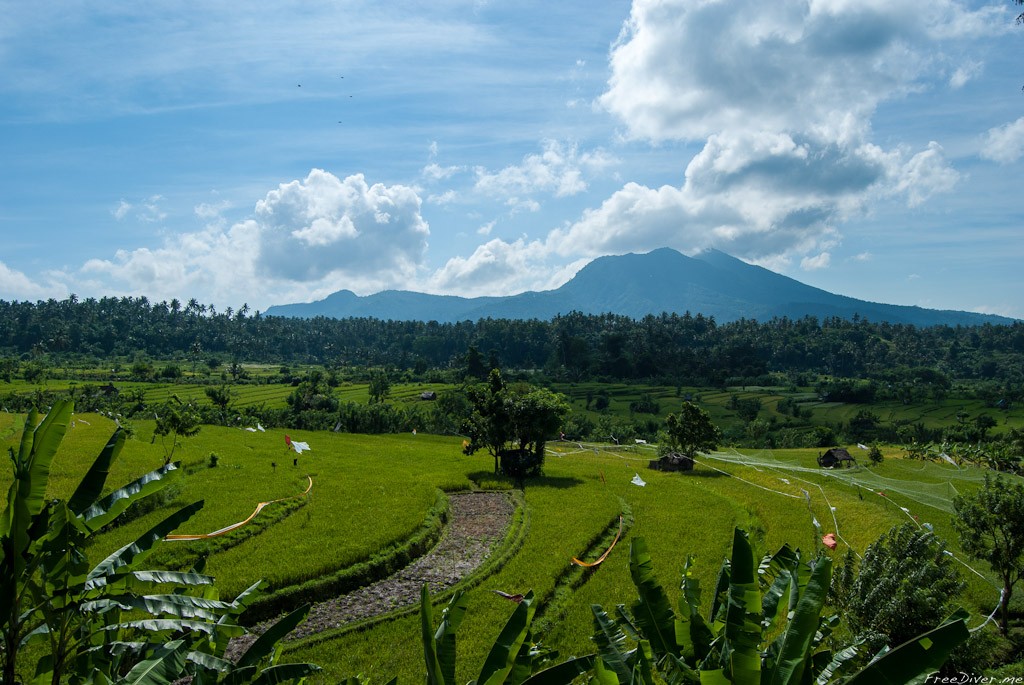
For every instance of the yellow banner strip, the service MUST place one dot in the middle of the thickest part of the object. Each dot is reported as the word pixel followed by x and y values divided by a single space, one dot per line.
pixel 606 552
pixel 234 526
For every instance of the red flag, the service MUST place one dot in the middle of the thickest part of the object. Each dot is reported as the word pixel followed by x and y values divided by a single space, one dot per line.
pixel 288 440
pixel 829 540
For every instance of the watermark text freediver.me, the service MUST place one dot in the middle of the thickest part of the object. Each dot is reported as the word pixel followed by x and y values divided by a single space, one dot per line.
pixel 961 678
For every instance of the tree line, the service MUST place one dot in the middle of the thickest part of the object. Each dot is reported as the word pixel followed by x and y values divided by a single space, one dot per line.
pixel 682 349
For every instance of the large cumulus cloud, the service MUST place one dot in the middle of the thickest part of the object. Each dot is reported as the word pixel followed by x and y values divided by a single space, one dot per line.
pixel 304 239
pixel 781 97
pixel 323 225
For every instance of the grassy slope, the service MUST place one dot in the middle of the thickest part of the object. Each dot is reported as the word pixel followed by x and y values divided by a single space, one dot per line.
pixel 370 490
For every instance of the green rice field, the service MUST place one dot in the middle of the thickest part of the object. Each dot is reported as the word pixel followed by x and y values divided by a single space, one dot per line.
pixel 371 494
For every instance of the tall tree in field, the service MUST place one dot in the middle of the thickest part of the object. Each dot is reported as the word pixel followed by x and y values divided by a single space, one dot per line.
pixel 380 387
pixel 991 527
pixel 512 422
pixel 691 431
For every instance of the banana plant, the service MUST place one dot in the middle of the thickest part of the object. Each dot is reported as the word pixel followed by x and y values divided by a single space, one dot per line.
pixel 115 617
pixel 744 639
pixel 514 658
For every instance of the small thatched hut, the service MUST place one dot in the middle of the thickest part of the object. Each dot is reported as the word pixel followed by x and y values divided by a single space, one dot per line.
pixel 836 456
pixel 673 461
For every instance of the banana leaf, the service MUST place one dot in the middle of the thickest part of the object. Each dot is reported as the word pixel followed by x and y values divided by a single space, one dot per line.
pixel 444 636
pixel 781 570
pixel 611 642
pixel 210 662
pixel 914 660
pixel 173 625
pixel 697 637
pixel 110 507
pixel 92 484
pixel 285 673
pixel 27 494
pixel 743 615
pixel 602 675
pixel 435 676
pixel 166 666
pixel 796 642
pixel 154 577
pixel 828 672
pixel 562 673
pixel 266 644
pixel 179 606
pixel 652 609
pixel 503 653
pixel 134 552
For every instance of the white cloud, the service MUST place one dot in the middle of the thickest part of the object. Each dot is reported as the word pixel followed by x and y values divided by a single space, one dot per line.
pixel 783 106
pixel 306 239
pixel 212 211
pixel 965 73
pixel 926 174
pixel 486 228
pixel 501 268
pixel 559 170
pixel 1005 144
pixel 755 195
pixel 323 225
pixel 863 257
pixel 447 197
pixel 820 261
pixel 15 285
pixel 147 211
pixel 436 172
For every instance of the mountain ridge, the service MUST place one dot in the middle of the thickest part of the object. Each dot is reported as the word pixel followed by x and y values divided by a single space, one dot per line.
pixel 711 283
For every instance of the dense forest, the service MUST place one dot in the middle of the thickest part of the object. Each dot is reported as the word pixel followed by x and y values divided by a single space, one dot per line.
pixel 670 348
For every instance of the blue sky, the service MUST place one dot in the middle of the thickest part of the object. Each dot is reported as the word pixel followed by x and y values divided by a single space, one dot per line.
pixel 277 152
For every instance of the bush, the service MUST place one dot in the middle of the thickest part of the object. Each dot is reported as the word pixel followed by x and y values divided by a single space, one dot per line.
pixel 904 585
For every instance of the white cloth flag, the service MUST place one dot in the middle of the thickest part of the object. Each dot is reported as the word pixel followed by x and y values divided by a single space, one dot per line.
pixel 637 480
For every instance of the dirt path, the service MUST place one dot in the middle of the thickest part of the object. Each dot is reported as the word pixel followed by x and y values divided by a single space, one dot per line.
pixel 477 522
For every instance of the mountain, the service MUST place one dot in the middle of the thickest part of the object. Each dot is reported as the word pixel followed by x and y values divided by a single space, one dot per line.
pixel 711 283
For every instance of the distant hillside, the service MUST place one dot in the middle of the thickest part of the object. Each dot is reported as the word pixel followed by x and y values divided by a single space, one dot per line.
pixel 711 283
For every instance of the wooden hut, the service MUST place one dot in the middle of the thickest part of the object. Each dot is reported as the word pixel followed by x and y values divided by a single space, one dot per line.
pixel 834 457
pixel 673 461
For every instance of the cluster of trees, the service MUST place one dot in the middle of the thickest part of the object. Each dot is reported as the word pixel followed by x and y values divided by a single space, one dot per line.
pixel 681 349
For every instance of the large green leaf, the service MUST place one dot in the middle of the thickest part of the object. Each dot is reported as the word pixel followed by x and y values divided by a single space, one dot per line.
pixel 285 673
pixel 156 578
pixel 602 675
pixel 106 510
pixel 435 676
pixel 611 642
pixel 444 636
pixel 743 615
pixel 166 666
pixel 562 673
pixel 211 662
pixel 170 625
pixel 780 570
pixel 266 644
pixel 503 653
pixel 121 560
pixel 27 494
pixel 46 439
pixel 914 660
pixel 697 637
pixel 652 610
pixel 89 490
pixel 796 642
pixel 179 606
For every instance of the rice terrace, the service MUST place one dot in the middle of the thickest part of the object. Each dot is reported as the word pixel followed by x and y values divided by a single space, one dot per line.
pixel 219 519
